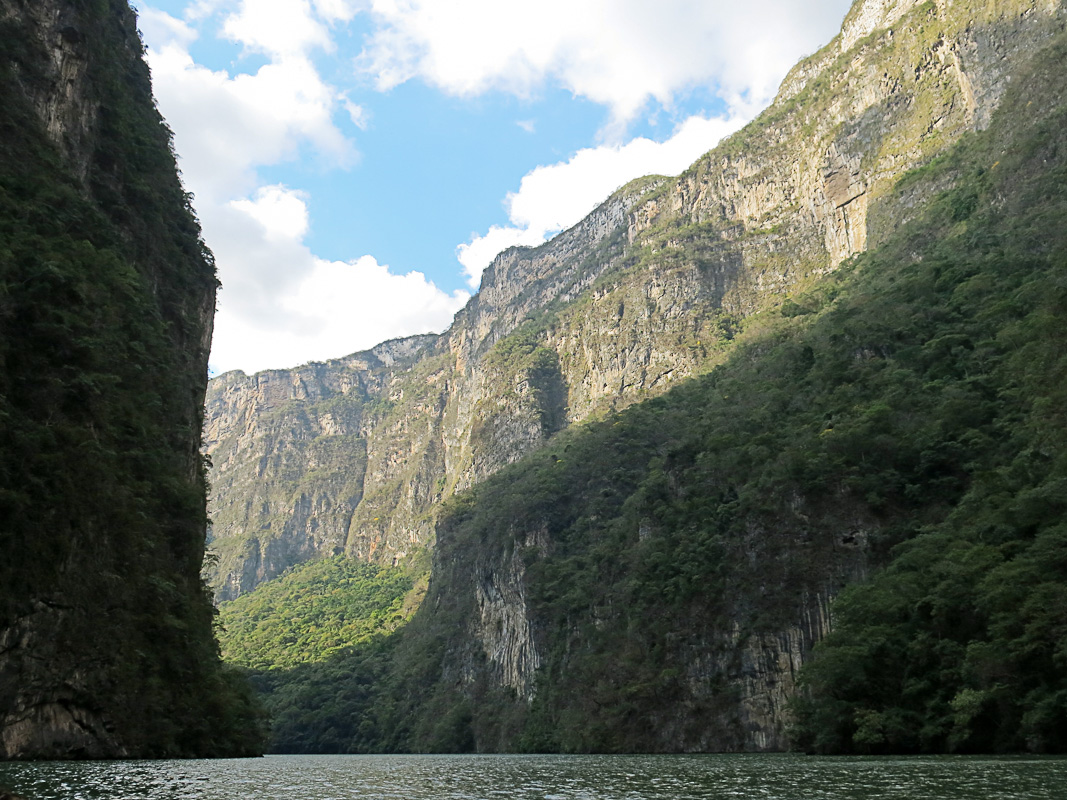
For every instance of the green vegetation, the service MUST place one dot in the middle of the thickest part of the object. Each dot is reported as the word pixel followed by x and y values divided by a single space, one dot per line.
pixel 520 361
pixel 105 290
pixel 521 351
pixel 903 419
pixel 958 645
pixel 297 636
pixel 311 612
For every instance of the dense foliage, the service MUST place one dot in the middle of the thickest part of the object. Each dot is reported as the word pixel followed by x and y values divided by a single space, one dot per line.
pixel 313 611
pixel 298 635
pixel 959 644
pixel 380 696
pixel 105 292
pixel 906 412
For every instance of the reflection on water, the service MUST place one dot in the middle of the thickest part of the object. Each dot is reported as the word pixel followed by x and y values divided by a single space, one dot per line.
pixel 767 777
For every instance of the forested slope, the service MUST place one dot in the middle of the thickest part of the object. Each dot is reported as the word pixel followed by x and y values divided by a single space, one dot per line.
pixel 106 303
pixel 961 642
pixel 655 581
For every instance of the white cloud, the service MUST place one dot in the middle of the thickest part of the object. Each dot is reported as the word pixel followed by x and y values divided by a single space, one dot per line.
pixel 280 303
pixel 282 212
pixel 160 27
pixel 281 306
pixel 552 198
pixel 620 53
pixel 225 127
pixel 359 116
pixel 336 10
pixel 334 309
pixel 278 27
pixel 201 9
pixel 476 254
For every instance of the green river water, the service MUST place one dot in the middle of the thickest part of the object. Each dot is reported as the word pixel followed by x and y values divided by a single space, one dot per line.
pixel 769 777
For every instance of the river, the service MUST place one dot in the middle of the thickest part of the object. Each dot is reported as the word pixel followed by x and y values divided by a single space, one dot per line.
pixel 767 777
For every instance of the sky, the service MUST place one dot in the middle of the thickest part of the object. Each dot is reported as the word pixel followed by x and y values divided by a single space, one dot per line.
pixel 356 164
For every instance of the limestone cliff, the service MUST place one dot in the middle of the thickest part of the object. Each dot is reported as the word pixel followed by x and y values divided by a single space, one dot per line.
pixel 294 453
pixel 656 580
pixel 647 290
pixel 106 305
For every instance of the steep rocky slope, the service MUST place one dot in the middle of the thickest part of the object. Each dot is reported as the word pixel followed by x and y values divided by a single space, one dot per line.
pixel 355 455
pixel 878 464
pixel 106 304
pixel 656 579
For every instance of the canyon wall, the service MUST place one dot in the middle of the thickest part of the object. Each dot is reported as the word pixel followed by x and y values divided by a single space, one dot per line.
pixel 107 299
pixel 653 288
pixel 353 455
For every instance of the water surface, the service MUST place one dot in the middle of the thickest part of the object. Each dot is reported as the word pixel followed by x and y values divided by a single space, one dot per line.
pixel 767 777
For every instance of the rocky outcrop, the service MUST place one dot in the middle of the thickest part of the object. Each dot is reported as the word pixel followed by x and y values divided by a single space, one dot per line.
pixel 765 673
pixel 294 453
pixel 54 720
pixel 62 99
pixel 409 422
pixel 504 628
pixel 738 687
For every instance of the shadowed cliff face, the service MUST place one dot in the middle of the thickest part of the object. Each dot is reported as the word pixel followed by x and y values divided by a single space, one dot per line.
pixel 648 290
pixel 106 305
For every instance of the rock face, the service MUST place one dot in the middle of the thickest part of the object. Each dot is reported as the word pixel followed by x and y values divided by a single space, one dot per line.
pixel 293 452
pixel 106 306
pixel 544 672
pixel 645 291
pixel 355 455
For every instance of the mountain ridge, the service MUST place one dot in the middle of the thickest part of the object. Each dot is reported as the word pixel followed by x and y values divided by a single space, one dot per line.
pixel 873 475
pixel 657 577
pixel 648 289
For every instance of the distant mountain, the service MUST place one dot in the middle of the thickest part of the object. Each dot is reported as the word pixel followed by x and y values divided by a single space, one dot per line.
pixel 650 453
pixel 106 302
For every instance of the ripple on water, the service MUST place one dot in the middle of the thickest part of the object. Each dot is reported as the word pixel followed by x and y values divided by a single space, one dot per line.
pixel 773 777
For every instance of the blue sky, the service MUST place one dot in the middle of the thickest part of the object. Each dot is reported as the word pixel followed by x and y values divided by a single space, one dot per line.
pixel 357 163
